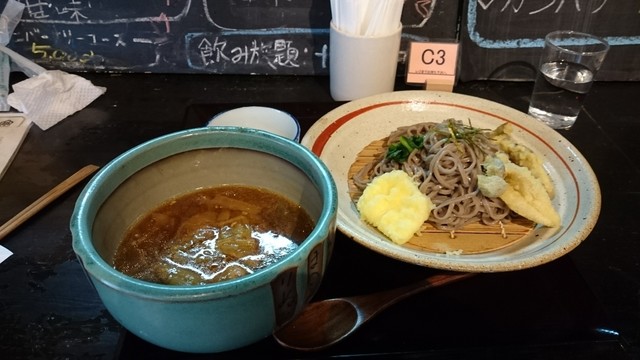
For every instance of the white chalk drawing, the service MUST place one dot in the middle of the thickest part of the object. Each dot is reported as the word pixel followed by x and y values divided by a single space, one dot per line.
pixel 534 7
pixel 75 12
pixel 520 6
pixel 424 8
pixel 82 34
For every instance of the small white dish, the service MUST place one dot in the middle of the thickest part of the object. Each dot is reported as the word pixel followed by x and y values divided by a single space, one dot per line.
pixel 262 118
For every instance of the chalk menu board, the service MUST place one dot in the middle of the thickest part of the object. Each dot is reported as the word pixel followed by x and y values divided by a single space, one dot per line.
pixel 502 39
pixel 199 36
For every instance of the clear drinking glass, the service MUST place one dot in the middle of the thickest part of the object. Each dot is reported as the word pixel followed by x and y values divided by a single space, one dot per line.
pixel 568 65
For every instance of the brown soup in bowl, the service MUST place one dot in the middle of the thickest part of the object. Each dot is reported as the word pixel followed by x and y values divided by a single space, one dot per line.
pixel 211 235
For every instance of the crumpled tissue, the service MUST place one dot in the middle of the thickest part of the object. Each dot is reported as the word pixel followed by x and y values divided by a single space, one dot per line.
pixel 51 96
pixel 47 96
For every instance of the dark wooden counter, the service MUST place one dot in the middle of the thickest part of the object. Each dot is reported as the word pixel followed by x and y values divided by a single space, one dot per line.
pixel 585 305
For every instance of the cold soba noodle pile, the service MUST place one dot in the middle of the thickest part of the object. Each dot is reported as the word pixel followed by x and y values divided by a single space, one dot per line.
pixel 446 171
pixel 466 172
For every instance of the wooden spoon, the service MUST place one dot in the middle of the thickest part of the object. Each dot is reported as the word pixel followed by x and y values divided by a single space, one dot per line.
pixel 324 323
pixel 45 199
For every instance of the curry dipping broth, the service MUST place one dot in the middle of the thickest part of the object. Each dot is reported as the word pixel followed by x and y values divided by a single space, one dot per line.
pixel 211 235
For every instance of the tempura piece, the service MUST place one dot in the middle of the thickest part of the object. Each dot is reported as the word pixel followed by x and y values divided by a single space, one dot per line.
pixel 522 155
pixel 491 183
pixel 526 195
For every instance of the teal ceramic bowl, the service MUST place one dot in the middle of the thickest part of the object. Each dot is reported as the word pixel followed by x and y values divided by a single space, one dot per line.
pixel 215 317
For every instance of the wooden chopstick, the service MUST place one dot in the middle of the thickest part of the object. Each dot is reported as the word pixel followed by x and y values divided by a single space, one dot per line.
pixel 46 199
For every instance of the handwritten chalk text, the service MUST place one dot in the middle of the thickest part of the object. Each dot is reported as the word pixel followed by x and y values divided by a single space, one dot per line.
pixel 535 7
pixel 276 53
pixel 49 53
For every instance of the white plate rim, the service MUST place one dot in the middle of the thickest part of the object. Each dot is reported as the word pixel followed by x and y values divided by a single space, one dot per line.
pixel 578 201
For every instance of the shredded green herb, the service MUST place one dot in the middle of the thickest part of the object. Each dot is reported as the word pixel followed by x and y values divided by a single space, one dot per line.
pixel 400 150
pixel 454 130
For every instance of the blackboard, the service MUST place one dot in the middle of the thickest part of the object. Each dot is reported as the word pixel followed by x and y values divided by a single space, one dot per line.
pixel 288 37
pixel 502 39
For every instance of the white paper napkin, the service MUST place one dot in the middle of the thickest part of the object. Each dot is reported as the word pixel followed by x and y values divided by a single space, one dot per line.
pixel 52 96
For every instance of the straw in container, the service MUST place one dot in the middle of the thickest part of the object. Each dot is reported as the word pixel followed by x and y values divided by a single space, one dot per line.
pixel 363 48
pixel 366 18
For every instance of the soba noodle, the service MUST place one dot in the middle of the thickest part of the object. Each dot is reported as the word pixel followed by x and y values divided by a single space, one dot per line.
pixel 446 167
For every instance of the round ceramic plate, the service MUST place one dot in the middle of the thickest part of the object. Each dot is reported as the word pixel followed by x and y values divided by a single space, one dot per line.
pixel 341 134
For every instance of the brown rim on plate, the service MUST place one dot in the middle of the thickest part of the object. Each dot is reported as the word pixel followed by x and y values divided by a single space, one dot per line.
pixel 338 136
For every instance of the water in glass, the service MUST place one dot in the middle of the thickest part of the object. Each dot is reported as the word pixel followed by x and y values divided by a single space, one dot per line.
pixel 559 92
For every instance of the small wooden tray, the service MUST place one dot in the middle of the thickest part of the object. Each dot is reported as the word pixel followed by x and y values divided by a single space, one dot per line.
pixel 472 239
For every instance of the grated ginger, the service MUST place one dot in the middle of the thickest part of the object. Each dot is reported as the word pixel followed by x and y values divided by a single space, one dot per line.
pixel 394 205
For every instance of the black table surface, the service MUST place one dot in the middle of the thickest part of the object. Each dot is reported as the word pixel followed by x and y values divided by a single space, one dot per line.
pixel 584 305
